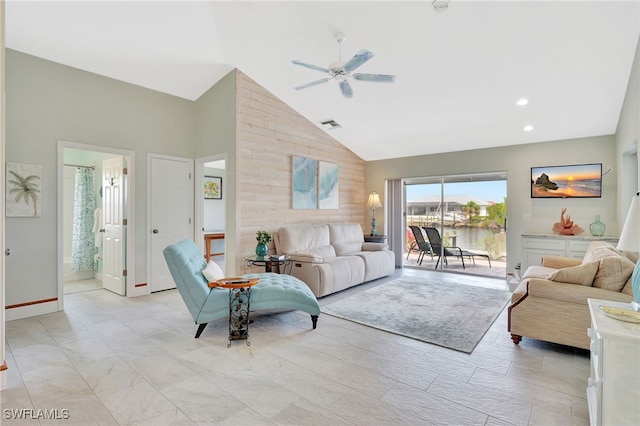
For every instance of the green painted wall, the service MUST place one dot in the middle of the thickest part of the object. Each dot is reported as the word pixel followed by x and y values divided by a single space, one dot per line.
pixel 47 102
pixel 215 121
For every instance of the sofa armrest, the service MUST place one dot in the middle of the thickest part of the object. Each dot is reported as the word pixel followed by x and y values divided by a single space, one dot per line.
pixel 559 262
pixel 374 246
pixel 306 258
pixel 572 293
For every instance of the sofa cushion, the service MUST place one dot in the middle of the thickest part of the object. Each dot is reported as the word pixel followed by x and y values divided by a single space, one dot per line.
pixel 346 238
pixel 581 275
pixel 538 272
pixel 570 293
pixel 377 263
pixel 302 239
pixel 559 262
pixel 324 251
pixel 614 269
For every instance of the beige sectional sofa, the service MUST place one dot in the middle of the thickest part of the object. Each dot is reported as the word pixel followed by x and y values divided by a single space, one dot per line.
pixel 550 303
pixel 333 257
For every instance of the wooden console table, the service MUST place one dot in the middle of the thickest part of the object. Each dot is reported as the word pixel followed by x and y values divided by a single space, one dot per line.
pixel 207 244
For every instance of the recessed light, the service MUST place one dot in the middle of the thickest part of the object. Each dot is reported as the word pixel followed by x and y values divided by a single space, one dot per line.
pixel 522 101
pixel 528 128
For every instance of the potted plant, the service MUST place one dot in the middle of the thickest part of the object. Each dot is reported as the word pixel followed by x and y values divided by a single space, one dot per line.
pixel 263 238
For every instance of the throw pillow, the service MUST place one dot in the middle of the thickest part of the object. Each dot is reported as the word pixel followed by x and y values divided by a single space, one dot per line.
pixel 614 269
pixel 598 250
pixel 613 273
pixel 212 272
pixel 581 275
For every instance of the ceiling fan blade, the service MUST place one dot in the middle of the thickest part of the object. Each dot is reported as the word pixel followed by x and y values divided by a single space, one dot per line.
pixel 345 87
pixel 379 78
pixel 313 67
pixel 313 83
pixel 358 59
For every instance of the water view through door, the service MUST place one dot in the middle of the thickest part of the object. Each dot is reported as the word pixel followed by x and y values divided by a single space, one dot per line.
pixel 469 212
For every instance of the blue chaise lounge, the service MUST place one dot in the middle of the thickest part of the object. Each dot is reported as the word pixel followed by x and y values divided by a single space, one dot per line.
pixel 274 291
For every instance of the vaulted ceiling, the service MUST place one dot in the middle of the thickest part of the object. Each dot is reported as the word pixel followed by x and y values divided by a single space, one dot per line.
pixel 459 73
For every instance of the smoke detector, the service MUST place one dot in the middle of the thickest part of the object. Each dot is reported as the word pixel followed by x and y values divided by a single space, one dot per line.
pixel 440 6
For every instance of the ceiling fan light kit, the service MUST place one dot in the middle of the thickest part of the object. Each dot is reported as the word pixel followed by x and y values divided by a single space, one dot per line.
pixel 342 71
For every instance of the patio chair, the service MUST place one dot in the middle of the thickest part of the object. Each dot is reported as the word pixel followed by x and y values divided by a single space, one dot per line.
pixel 436 244
pixel 423 246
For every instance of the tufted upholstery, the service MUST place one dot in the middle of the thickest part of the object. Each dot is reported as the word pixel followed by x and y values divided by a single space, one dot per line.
pixel 274 291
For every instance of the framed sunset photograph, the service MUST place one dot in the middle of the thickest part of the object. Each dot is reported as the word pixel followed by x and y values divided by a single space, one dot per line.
pixel 574 181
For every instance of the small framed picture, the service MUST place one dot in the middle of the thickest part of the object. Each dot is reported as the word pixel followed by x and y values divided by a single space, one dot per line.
pixel 212 188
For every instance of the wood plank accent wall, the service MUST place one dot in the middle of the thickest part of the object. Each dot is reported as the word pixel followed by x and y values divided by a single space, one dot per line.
pixel 268 134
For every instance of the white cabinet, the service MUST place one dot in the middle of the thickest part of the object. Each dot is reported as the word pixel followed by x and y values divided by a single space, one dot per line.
pixel 613 391
pixel 534 246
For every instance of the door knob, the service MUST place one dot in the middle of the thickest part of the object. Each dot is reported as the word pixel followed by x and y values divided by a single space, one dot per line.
pixel 102 230
pixel 155 231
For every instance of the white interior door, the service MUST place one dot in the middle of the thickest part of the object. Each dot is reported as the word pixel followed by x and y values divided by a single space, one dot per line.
pixel 113 243
pixel 170 213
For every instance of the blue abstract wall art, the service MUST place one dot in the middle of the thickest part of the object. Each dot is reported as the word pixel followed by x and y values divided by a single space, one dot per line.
pixel 305 183
pixel 328 193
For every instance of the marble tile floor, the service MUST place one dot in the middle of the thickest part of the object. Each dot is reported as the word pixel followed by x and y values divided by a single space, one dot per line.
pixel 112 360
pixel 78 286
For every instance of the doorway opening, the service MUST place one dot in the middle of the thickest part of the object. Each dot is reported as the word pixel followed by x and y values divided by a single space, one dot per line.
pixel 88 252
pixel 469 215
pixel 211 208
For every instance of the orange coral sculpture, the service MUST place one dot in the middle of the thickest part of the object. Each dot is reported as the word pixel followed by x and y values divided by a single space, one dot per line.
pixel 566 225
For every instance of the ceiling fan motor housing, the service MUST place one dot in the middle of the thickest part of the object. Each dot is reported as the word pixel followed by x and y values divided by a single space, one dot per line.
pixel 337 68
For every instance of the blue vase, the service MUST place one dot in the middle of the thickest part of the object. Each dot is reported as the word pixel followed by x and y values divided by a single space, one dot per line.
pixel 262 249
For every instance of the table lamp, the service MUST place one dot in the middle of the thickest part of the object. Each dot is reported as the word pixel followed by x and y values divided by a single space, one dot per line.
pixel 374 202
pixel 630 241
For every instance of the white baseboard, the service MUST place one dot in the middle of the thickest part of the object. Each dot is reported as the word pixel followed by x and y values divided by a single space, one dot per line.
pixel 31 310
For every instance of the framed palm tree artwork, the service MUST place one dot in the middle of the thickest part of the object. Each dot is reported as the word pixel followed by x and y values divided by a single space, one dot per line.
pixel 24 184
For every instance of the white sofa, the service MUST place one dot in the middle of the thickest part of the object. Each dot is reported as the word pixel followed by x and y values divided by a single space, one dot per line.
pixel 333 257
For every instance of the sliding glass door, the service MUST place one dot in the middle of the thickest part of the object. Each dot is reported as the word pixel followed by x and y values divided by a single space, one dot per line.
pixel 469 212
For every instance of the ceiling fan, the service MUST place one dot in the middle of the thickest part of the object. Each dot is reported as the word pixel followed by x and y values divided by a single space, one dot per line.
pixel 342 71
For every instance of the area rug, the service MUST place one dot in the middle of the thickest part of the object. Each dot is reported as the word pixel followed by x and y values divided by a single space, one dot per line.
pixel 452 315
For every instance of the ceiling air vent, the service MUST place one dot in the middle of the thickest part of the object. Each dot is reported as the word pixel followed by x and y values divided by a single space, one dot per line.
pixel 330 124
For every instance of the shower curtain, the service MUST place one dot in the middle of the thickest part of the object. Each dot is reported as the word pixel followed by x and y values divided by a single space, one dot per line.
pixel 83 248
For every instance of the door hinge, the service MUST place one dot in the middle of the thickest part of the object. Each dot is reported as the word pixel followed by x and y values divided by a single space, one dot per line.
pixel 189 175
pixel 189 221
pixel 124 171
pixel 124 272
pixel 124 221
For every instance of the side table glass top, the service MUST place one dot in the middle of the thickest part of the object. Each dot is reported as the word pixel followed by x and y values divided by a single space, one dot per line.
pixel 271 263
pixel 281 258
